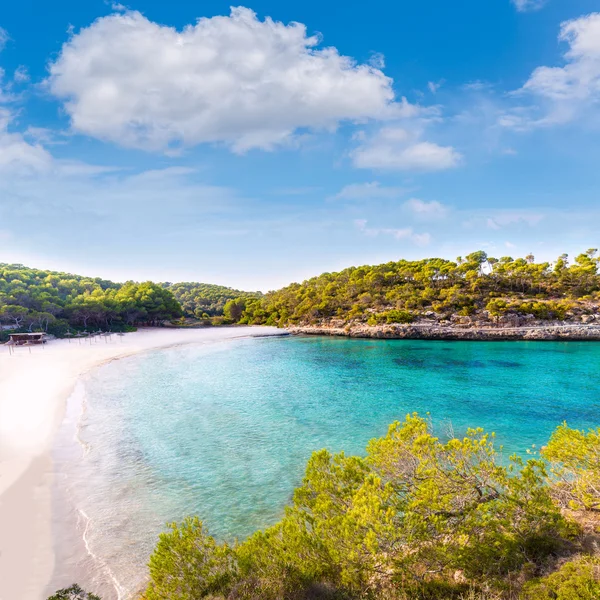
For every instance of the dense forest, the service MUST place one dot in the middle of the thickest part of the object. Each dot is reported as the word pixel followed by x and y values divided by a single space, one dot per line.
pixel 419 517
pixel 34 300
pixel 477 287
pixel 204 300
pixel 38 300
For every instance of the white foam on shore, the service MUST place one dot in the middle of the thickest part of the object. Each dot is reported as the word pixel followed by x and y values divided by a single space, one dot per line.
pixel 80 397
pixel 98 560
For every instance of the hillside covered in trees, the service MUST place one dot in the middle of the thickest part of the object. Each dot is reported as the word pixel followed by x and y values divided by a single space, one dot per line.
pixel 40 300
pixel 33 299
pixel 475 288
pixel 204 300
pixel 417 518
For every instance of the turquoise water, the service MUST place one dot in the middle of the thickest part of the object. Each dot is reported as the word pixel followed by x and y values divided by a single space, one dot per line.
pixel 224 431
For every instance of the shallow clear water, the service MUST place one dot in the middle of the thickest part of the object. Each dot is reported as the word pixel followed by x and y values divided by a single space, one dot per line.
pixel 224 431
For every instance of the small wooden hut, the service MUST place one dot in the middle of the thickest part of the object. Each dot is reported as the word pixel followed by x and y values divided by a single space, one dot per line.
pixel 22 339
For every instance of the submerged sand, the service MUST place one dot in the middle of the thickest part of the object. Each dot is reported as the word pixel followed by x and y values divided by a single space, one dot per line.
pixel 34 386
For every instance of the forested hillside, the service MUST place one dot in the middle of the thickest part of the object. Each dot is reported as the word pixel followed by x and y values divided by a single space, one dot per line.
pixel 50 301
pixel 476 287
pixel 202 300
pixel 34 300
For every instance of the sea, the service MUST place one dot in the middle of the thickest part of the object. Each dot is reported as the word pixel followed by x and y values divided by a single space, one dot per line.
pixel 224 430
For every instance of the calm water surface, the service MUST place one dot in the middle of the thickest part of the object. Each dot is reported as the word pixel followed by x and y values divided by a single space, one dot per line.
pixel 224 431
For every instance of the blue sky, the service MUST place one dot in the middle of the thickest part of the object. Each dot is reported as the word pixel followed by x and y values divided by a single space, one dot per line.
pixel 270 142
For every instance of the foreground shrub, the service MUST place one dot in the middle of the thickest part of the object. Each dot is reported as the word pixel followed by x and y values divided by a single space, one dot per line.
pixel 575 580
pixel 73 593
pixel 399 523
pixel 188 564
pixel 575 459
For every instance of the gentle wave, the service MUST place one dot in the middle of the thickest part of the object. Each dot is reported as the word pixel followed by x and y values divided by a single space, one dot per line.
pixel 118 588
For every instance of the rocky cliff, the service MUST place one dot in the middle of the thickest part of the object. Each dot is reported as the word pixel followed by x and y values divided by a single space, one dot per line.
pixel 455 331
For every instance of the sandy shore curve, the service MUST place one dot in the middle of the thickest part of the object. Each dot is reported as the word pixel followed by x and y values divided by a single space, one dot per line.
pixel 34 386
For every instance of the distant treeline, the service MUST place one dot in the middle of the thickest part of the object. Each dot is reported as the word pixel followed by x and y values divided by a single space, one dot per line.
pixel 203 300
pixel 394 292
pixel 33 299
pixel 400 292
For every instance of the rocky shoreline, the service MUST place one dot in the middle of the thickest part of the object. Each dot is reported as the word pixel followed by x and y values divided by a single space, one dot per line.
pixel 435 331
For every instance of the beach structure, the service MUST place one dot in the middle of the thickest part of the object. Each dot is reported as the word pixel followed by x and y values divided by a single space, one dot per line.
pixel 27 339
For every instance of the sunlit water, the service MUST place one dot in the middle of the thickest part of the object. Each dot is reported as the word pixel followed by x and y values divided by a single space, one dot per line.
pixel 224 430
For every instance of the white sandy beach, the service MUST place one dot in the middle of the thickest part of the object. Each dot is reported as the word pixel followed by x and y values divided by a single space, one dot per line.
pixel 34 387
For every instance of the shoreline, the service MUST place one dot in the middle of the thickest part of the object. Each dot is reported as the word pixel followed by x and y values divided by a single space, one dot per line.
pixel 34 388
pixel 425 331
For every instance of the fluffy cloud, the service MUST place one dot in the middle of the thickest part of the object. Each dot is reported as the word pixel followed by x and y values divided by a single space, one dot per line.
pixel 566 91
pixel 394 148
pixel 4 37
pixel 17 155
pixel 504 218
pixel 527 5
pixel 426 210
pixel 231 79
pixel 21 74
pixel 368 191
pixel 406 233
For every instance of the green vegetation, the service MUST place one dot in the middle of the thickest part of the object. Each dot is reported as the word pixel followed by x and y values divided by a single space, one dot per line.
pixel 34 300
pixel 575 459
pixel 478 286
pixel 575 580
pixel 417 518
pixel 38 300
pixel 73 593
pixel 203 300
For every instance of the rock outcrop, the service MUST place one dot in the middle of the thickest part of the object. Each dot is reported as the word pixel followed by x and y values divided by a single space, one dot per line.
pixel 452 331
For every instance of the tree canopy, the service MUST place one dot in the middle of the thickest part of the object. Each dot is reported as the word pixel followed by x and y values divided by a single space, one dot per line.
pixel 199 299
pixel 418 517
pixel 477 285
pixel 46 300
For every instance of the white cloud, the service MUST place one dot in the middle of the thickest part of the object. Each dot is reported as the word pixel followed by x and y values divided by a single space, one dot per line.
pixel 394 148
pixel 16 154
pixel 4 37
pixel 368 191
pixel 377 60
pixel 502 218
pixel 563 92
pixel 434 87
pixel 426 210
pixel 528 5
pixel 231 79
pixel 21 74
pixel 406 233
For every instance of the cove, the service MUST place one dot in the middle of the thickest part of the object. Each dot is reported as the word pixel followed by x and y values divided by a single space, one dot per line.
pixel 224 431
